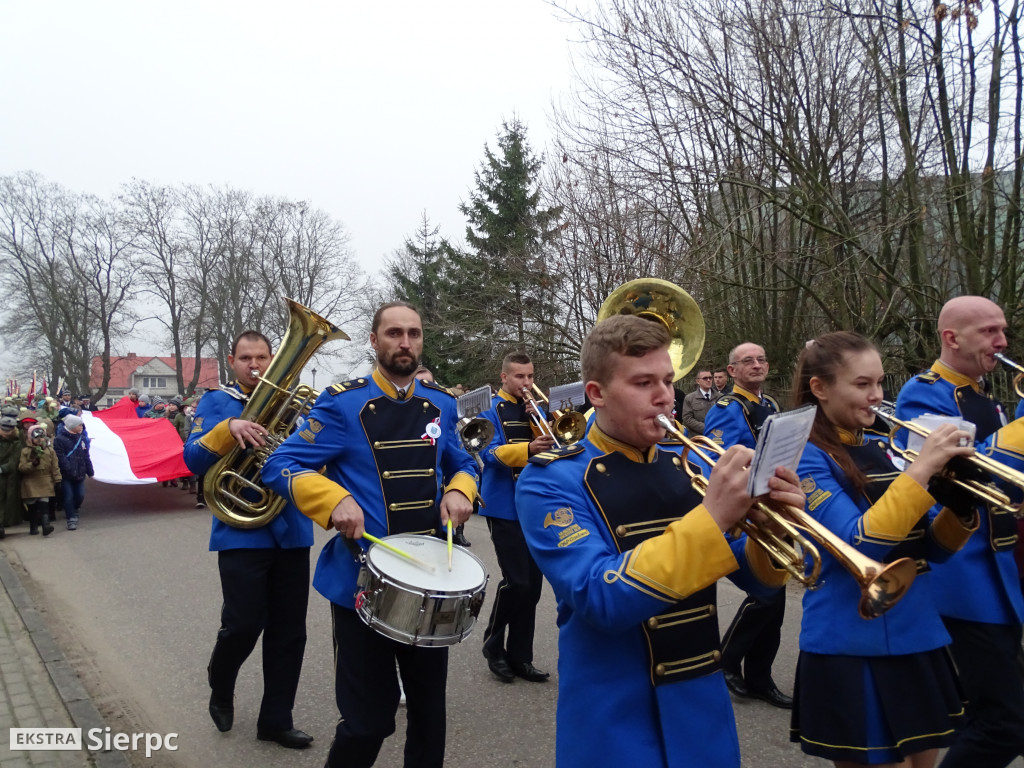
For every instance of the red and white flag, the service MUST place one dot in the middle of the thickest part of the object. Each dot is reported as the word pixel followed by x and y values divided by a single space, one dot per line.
pixel 127 450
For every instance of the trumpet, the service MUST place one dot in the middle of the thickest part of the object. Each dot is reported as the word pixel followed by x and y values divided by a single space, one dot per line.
pixel 984 492
pixel 1019 378
pixel 476 433
pixel 570 426
pixel 881 586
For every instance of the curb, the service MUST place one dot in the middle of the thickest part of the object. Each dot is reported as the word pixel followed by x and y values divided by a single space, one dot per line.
pixel 70 689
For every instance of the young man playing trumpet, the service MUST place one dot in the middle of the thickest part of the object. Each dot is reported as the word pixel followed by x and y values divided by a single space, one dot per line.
pixel 635 582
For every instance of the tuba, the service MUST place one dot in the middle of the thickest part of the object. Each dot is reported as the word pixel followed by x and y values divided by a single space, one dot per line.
pixel 670 305
pixel 232 486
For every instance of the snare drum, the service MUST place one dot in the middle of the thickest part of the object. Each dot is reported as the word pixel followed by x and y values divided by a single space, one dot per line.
pixel 407 603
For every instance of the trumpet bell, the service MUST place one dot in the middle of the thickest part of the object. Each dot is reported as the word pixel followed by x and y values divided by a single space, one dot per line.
pixel 476 434
pixel 666 302
pixel 570 427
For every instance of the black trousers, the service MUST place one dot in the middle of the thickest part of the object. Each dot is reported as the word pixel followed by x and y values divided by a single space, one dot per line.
pixel 753 638
pixel 265 590
pixel 515 601
pixel 366 690
pixel 986 658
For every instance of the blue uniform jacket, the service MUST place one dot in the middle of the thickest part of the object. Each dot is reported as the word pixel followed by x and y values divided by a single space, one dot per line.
pixel 503 459
pixel 979 583
pixel 831 623
pixel 603 598
pixel 728 423
pixel 335 440
pixel 207 442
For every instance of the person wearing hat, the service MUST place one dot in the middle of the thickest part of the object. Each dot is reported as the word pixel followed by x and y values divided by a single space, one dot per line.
pixel 26 420
pixel 39 475
pixel 86 402
pixel 10 481
pixel 72 448
pixel 143 406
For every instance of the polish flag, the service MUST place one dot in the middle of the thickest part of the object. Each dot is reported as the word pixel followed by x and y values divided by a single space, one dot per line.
pixel 127 450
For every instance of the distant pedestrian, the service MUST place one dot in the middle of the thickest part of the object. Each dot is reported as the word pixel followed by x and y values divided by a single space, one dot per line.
pixel 39 475
pixel 10 491
pixel 72 448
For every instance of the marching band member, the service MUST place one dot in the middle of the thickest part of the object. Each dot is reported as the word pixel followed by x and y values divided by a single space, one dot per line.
pixel 384 444
pixel 978 592
pixel 264 572
pixel 515 601
pixel 639 679
pixel 883 690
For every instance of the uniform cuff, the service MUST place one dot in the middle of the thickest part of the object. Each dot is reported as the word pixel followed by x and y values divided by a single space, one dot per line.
pixel 465 484
pixel 899 509
pixel 218 440
pixel 515 455
pixel 950 532
pixel 690 555
pixel 316 496
pixel 763 565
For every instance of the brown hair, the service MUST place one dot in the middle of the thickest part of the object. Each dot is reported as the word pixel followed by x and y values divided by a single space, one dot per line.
pixel 514 358
pixel 385 307
pixel 822 358
pixel 250 335
pixel 628 335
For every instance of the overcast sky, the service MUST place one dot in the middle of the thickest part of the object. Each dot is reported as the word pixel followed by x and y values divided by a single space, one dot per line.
pixel 372 111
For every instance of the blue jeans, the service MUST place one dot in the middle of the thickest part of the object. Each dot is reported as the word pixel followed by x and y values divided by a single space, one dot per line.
pixel 74 495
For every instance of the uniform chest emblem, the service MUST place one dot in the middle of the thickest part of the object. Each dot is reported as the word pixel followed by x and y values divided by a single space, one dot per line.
pixel 432 431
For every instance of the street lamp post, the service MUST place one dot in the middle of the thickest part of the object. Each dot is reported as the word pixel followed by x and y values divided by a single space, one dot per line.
pixel 314 378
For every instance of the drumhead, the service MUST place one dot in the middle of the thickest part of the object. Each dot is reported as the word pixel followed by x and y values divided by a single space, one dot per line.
pixel 467 571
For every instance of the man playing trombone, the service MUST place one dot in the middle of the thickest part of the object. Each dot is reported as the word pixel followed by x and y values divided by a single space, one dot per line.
pixel 633 555
pixel 979 590
pixel 515 600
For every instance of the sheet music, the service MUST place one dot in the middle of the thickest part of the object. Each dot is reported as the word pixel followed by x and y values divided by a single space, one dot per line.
pixel 566 397
pixel 474 403
pixel 932 420
pixel 780 444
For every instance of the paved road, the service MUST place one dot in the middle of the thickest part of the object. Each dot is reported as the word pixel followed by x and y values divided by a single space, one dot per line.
pixel 132 597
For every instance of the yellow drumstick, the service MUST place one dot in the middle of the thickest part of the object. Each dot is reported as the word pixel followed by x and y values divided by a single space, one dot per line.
pixel 449 544
pixel 401 553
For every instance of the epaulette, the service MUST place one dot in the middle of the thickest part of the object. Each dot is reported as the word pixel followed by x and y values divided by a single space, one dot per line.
pixel 725 399
pixel 436 387
pixel 344 386
pixel 928 377
pixel 546 457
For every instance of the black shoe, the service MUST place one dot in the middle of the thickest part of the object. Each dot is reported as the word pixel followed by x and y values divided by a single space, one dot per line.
pixel 292 738
pixel 47 528
pixel 461 540
pixel 527 671
pixel 498 664
pixel 734 682
pixel 223 714
pixel 775 697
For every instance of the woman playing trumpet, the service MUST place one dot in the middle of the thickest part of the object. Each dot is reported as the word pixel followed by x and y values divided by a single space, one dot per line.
pixel 880 691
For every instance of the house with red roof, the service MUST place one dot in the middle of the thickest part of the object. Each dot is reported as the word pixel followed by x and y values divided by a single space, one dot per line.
pixel 152 375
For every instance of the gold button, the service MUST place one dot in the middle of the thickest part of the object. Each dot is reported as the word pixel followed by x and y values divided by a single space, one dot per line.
pixel 392 507
pixel 377 444
pixel 620 531
pixel 600 468
pixel 676 461
pixel 716 656
pixel 373 407
pixel 652 622
pixel 426 406
pixel 659 670
pixel 712 610
pixel 385 475
pixel 431 472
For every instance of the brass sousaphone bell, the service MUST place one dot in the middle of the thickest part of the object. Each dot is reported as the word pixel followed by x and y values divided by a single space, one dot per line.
pixel 660 300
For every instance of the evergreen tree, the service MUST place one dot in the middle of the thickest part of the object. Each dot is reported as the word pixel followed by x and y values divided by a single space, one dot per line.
pixel 503 272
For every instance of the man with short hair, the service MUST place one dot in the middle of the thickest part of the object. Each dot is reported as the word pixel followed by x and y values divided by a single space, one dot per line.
pixel 721 379
pixel 751 643
pixel 697 403
pixel 264 571
pixel 379 454
pixel 639 680
pixel 515 601
pixel 979 587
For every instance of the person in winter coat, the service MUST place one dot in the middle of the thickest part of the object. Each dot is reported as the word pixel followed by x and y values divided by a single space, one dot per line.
pixel 10 492
pixel 72 449
pixel 39 474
